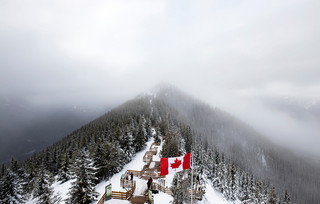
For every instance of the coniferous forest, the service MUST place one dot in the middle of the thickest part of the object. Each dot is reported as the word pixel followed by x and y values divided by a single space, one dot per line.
pixel 101 148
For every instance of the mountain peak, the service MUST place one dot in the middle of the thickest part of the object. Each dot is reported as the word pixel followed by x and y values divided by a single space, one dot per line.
pixel 160 89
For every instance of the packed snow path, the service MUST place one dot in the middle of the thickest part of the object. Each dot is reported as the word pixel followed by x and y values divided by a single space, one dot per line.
pixel 149 168
pixel 211 196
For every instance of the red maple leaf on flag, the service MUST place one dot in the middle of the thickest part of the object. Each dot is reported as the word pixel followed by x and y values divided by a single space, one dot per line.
pixel 176 164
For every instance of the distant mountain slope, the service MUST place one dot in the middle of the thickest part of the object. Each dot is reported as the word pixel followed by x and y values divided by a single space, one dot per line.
pixel 26 129
pixel 242 144
pixel 114 138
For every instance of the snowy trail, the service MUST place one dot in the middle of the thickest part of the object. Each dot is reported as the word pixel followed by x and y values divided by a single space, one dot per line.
pixel 136 164
pixel 211 196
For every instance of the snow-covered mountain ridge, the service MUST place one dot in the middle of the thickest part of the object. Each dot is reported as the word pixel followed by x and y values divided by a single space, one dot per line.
pixel 114 139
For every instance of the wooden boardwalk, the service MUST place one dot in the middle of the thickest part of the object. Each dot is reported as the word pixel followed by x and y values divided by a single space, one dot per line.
pixel 146 172
pixel 138 199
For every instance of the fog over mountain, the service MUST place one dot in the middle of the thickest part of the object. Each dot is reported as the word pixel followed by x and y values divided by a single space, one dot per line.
pixel 259 61
pixel 26 129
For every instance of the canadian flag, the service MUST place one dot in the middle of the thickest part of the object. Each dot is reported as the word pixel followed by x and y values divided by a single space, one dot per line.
pixel 175 164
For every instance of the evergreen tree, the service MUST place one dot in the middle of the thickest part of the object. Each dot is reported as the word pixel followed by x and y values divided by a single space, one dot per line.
pixel 210 165
pixel 244 196
pixel 42 187
pixel 252 188
pixel 100 161
pixel 64 171
pixel 188 139
pixel 286 199
pixel 258 193
pixel 220 182
pixel 216 164
pixel 82 190
pixel 139 141
pixel 227 182
pixel 10 186
pixel 148 128
pixel 232 182
pixel 180 187
pixel 171 145
pixel 2 170
pixel 272 196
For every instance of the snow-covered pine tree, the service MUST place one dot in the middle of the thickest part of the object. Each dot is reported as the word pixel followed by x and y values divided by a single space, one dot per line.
pixel 10 185
pixel 2 170
pixel 100 160
pixel 286 199
pixel 82 190
pixel 215 168
pixel 171 146
pixel 140 137
pixel 130 151
pixel 180 187
pixel 239 183
pixel 148 127
pixel 42 187
pixel 244 195
pixel 227 182
pixel 257 192
pixel 232 182
pixel 188 139
pixel 64 171
pixel 272 196
pixel 210 165
pixel 252 188
pixel 126 143
pixel 221 175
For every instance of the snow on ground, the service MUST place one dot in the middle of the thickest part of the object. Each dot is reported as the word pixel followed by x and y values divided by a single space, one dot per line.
pixel 135 164
pixel 214 197
pixel 211 196
pixel 33 201
pixel 59 189
pixel 62 189
pixel 115 201
pixel 153 132
pixel 168 180
pixel 152 164
pixel 141 186
pixel 162 198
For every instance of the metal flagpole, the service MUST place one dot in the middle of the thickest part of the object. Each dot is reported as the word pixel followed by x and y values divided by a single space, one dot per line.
pixel 191 176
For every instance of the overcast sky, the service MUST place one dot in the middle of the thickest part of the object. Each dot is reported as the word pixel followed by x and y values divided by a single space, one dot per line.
pixel 248 58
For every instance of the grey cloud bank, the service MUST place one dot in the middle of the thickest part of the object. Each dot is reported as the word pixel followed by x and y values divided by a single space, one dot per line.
pixel 236 55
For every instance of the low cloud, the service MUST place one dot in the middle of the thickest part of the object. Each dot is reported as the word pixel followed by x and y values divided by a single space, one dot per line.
pixel 237 56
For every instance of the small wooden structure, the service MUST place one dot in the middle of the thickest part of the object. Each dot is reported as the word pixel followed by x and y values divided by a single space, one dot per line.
pixel 120 194
pixel 124 183
pixel 124 195
pixel 134 173
pixel 146 172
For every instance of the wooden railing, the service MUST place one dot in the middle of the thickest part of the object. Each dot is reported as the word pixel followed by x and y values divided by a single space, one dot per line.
pixel 155 144
pixel 121 195
pixel 134 173
pixel 101 201
pixel 156 186
pixel 124 195
pixel 126 183
pixel 147 157
pixel 145 167
pixel 154 149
